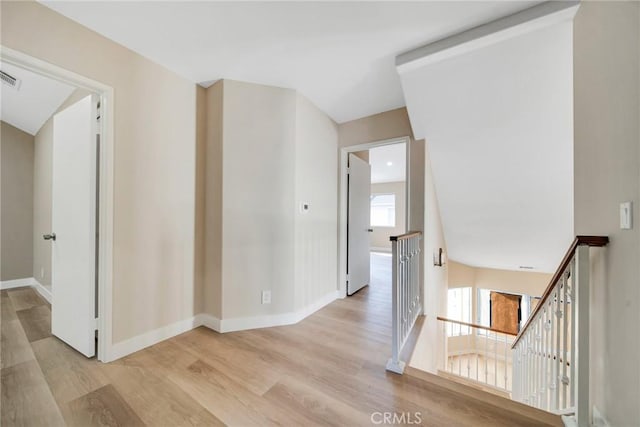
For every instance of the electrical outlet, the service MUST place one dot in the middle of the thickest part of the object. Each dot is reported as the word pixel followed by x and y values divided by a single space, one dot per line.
pixel 266 297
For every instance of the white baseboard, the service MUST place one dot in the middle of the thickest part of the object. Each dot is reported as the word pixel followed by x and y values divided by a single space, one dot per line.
pixel 598 419
pixel 150 338
pixel 42 290
pixel 16 283
pixel 28 281
pixel 208 321
pixel 270 320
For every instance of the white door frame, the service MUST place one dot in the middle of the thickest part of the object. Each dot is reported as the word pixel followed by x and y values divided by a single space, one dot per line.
pixel 342 202
pixel 105 202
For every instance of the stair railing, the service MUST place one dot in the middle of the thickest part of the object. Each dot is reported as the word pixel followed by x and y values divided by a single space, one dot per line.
pixel 406 293
pixel 551 352
pixel 478 353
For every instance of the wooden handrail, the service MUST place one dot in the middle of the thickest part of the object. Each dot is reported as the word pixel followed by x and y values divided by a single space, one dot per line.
pixel 444 319
pixel 405 236
pixel 596 241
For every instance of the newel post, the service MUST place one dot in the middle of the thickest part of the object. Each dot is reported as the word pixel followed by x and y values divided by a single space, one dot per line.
pixel 582 301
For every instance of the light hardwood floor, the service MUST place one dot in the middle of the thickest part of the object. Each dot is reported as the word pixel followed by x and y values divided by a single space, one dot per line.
pixel 326 370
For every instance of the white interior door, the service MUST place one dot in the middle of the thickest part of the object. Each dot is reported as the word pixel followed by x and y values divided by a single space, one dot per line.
pixel 74 224
pixel 359 217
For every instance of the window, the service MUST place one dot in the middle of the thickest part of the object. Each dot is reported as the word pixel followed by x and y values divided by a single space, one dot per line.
pixel 484 308
pixel 459 308
pixel 383 210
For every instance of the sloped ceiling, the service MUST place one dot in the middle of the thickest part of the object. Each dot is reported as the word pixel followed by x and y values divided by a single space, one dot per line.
pixel 498 123
pixel 37 98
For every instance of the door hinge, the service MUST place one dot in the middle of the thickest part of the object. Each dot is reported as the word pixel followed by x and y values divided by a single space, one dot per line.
pixel 95 324
pixel 348 277
pixel 348 170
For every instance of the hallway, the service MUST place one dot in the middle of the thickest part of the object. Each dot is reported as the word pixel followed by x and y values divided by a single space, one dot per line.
pixel 326 370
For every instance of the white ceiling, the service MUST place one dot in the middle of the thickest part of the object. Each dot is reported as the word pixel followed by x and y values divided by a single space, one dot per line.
pixel 34 103
pixel 381 170
pixel 498 122
pixel 340 55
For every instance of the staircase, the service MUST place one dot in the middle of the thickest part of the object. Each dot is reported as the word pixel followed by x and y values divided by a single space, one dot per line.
pixel 524 414
pixel 551 352
pixel 542 373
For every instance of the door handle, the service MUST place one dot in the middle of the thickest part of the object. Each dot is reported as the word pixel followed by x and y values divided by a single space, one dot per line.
pixel 51 236
pixel 370 230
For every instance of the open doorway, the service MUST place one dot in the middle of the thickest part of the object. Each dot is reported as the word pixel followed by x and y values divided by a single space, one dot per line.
pixel 374 196
pixel 56 203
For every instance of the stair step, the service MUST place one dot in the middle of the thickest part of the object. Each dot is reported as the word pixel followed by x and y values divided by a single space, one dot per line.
pixel 503 403
pixel 474 384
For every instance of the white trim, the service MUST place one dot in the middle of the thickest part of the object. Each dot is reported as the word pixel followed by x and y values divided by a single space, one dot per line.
pixel 150 338
pixel 30 282
pixel 16 283
pixel 342 202
pixel 42 290
pixel 598 419
pixel 208 321
pixel 380 249
pixel 480 352
pixel 105 250
pixel 270 320
pixel 523 22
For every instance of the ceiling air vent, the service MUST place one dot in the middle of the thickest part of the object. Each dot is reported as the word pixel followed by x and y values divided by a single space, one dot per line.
pixel 9 80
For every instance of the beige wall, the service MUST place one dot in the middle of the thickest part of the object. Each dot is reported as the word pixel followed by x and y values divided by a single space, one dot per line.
pixel 42 188
pixel 378 127
pixel 380 235
pixel 16 200
pixel 212 286
pixel 518 282
pixel 316 182
pixel 607 172
pixel 154 164
pixel 267 150
pixel 199 260
pixel 259 131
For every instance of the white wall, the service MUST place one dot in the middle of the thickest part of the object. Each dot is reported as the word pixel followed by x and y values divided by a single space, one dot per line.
pixel 607 172
pixel 428 353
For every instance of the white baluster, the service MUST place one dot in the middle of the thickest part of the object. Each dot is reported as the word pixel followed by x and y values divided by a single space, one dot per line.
pixel 495 360
pixel 486 369
pixel 469 336
pixel 572 332
pixel 565 333
pixel 459 361
pixel 506 366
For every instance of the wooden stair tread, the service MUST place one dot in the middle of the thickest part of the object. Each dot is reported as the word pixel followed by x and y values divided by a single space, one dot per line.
pixel 501 403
